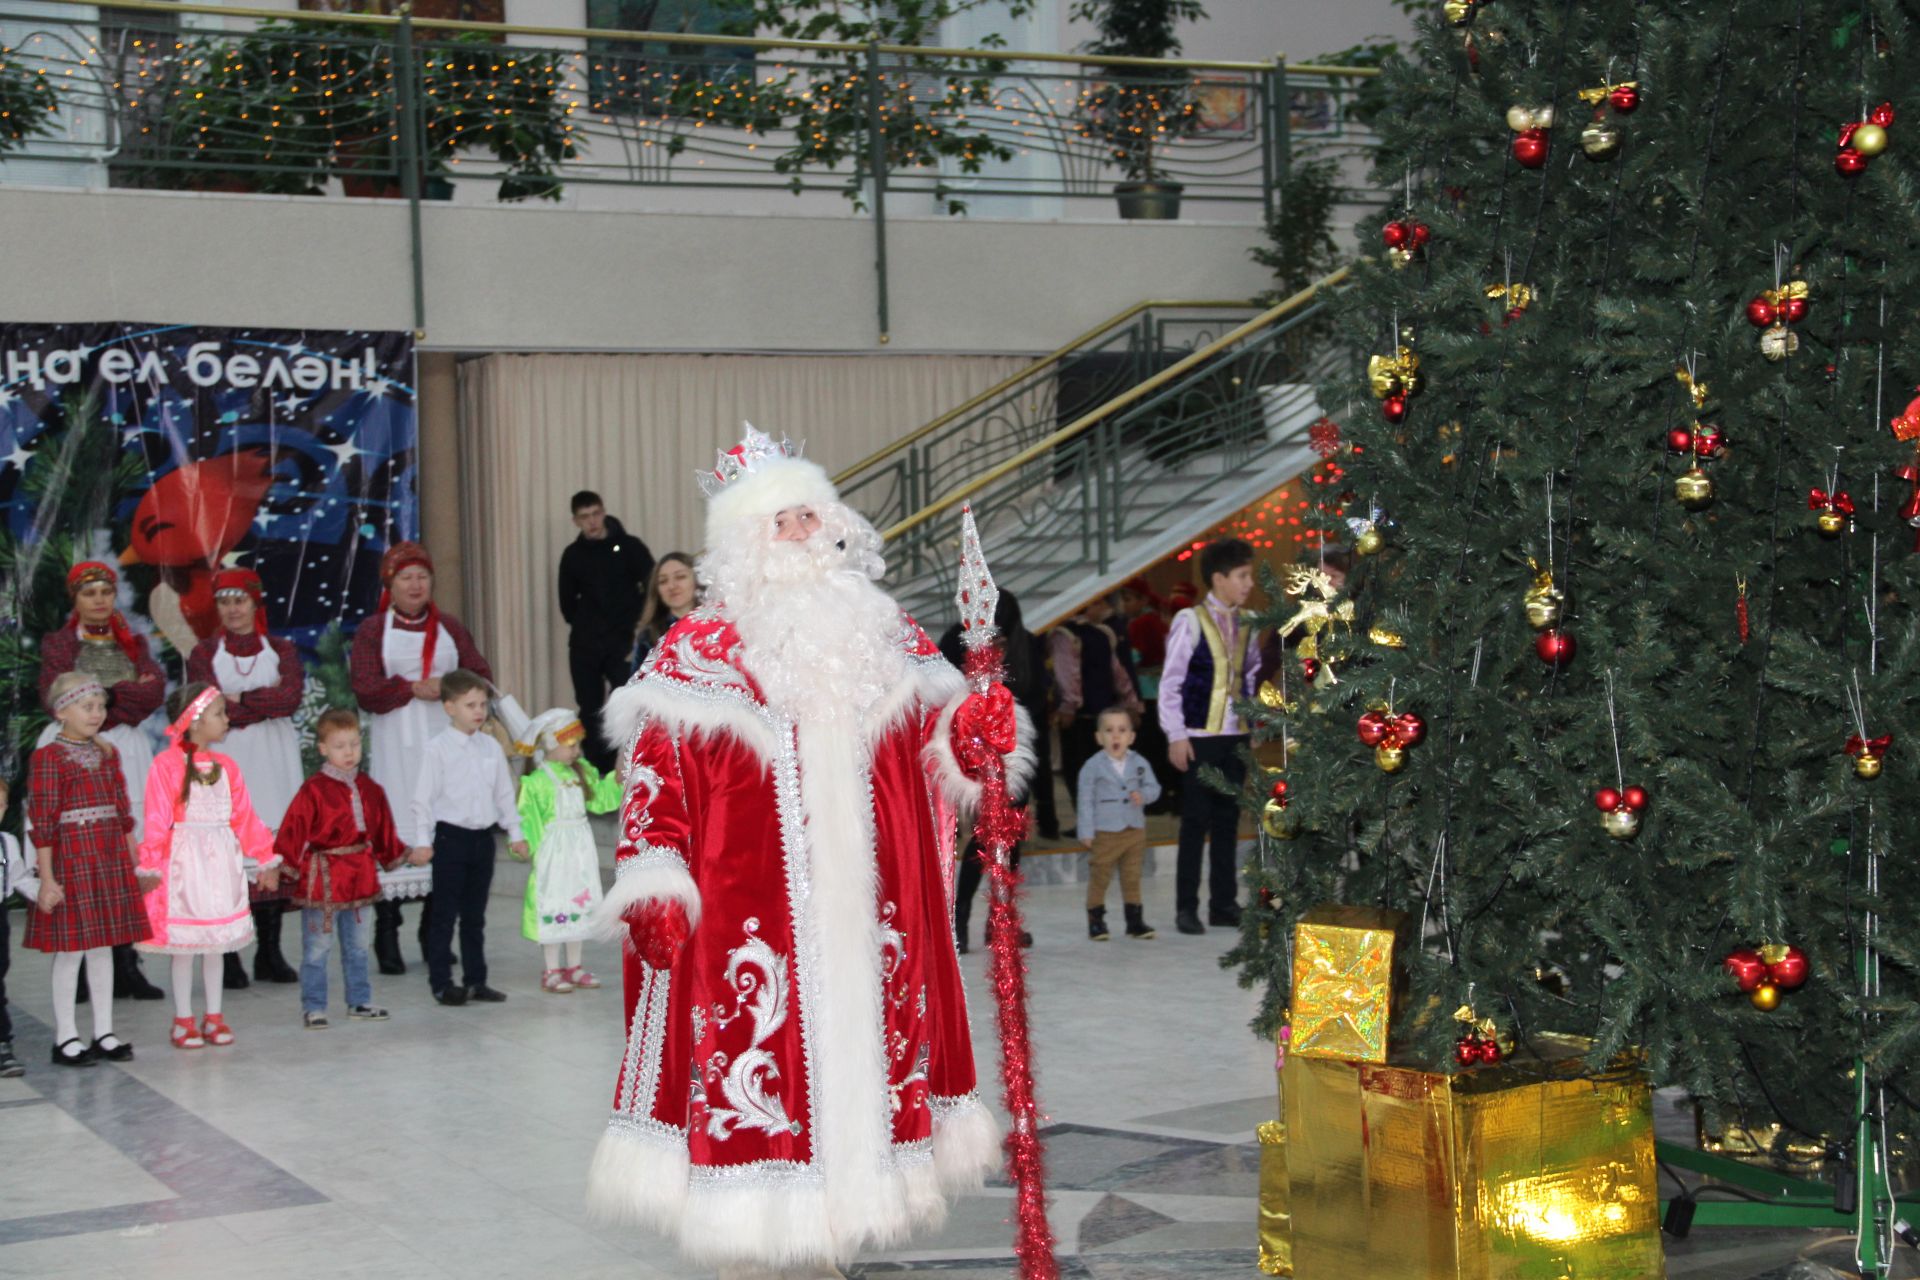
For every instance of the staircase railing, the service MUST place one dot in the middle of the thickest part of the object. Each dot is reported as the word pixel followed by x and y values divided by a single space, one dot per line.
pixel 1071 508
pixel 987 429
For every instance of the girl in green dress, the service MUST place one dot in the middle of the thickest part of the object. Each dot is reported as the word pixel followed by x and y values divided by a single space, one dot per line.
pixel 564 888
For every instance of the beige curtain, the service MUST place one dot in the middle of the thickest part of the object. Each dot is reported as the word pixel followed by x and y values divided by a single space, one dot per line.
pixel 634 428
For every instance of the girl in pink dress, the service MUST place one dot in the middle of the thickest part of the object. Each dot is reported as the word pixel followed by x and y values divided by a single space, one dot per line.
pixel 200 824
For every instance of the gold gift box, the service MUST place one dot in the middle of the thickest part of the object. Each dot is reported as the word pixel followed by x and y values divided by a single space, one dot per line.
pixel 1345 983
pixel 1532 1170
pixel 1276 1230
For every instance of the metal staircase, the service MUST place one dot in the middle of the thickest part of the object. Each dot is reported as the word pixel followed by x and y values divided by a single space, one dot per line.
pixel 1102 457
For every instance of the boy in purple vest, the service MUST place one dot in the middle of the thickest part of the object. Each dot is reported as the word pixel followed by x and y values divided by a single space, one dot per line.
pixel 1212 659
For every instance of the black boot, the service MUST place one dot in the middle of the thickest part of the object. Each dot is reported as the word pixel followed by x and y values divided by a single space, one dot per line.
pixel 1097 924
pixel 386 938
pixel 269 963
pixel 960 921
pixel 1137 926
pixel 128 979
pixel 426 913
pixel 236 973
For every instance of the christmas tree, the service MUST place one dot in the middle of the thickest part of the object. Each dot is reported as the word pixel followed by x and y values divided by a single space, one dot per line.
pixel 1627 470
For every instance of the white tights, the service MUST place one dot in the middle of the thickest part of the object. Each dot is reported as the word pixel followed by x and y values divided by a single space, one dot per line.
pixel 213 975
pixel 66 987
pixel 553 954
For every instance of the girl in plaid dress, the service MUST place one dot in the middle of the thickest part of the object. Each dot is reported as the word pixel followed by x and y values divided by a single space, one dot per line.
pixel 200 825
pixel 89 898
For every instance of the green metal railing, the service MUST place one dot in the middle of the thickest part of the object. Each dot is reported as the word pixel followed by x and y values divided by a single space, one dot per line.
pixel 1060 510
pixel 205 97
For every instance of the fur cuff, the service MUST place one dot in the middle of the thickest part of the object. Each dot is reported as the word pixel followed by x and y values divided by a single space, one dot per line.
pixel 647 874
pixel 963 791
pixel 684 715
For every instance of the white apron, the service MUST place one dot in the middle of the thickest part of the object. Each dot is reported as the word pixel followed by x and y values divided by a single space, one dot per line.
pixel 566 874
pixel 268 753
pixel 200 905
pixel 399 737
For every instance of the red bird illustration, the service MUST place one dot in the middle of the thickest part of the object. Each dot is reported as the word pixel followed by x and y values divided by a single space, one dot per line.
pixel 186 524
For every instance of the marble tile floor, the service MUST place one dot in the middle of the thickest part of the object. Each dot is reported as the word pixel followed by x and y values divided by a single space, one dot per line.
pixel 454 1142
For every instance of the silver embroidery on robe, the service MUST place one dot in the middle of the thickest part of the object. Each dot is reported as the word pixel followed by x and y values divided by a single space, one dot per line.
pixel 758 976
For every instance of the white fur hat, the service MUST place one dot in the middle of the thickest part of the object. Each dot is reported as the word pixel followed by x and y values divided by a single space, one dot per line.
pixel 759 478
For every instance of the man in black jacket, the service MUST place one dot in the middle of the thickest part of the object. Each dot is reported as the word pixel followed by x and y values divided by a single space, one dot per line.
pixel 603 586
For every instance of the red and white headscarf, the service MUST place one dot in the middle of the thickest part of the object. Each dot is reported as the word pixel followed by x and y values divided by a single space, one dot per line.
pixel 239 581
pixel 91 571
pixel 407 555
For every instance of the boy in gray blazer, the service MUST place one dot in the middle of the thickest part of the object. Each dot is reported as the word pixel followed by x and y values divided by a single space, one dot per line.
pixel 1115 788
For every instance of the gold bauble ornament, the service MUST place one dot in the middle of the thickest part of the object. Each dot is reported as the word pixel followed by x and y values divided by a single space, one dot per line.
pixel 1370 542
pixel 1544 602
pixel 1830 523
pixel 1270 695
pixel 1778 342
pixel 1600 140
pixel 1866 765
pixel 1621 823
pixel 1694 489
pixel 1273 820
pixel 1868 139
pixel 1765 997
pixel 1519 118
pixel 1390 759
pixel 1460 13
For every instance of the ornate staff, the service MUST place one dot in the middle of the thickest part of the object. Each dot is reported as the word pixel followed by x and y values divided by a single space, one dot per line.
pixel 984 745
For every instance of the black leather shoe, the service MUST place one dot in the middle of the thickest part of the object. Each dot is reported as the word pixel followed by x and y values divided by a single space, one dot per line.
pixel 486 995
pixel 80 1057
pixel 1189 922
pixel 1227 917
pixel 120 1052
pixel 452 996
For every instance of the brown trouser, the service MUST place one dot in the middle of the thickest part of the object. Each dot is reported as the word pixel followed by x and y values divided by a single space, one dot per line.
pixel 1126 848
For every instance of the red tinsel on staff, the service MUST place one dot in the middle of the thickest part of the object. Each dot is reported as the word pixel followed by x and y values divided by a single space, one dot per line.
pixel 982 741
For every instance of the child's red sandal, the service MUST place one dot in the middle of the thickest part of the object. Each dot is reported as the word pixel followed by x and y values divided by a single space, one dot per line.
pixel 216 1030
pixel 185 1035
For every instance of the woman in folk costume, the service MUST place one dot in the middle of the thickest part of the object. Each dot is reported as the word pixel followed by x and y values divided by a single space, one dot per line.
pixel 200 826
pixel 564 887
pixel 798 1083
pixel 399 655
pixel 97 641
pixel 262 679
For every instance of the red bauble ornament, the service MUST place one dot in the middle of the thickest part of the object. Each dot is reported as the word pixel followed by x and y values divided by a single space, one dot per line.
pixel 1747 968
pixel 1555 647
pixel 1708 442
pixel 1679 440
pixel 1372 728
pixel 1309 667
pixel 1761 313
pixel 1790 970
pixel 1418 235
pixel 1489 1051
pixel 1395 234
pixel 1606 799
pixel 1635 798
pixel 1530 147
pixel 1394 408
pixel 1881 115
pixel 1796 310
pixel 1625 98
pixel 1849 163
pixel 1279 792
pixel 1466 1052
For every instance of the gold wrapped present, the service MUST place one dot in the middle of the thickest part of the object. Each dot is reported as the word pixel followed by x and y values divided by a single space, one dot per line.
pixel 1276 1236
pixel 1532 1169
pixel 1345 981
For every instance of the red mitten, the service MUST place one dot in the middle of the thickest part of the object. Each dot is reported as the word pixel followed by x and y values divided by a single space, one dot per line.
pixel 984 729
pixel 658 930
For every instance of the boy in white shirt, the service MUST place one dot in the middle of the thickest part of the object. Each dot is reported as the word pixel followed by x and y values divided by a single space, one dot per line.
pixel 464 791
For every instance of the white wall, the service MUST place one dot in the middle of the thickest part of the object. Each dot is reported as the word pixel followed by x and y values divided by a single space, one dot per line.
pixel 502 278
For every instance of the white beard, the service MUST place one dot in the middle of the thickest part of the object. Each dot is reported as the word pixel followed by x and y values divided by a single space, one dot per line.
pixel 819 636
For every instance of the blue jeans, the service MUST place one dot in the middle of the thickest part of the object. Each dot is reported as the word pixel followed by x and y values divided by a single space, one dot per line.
pixel 350 926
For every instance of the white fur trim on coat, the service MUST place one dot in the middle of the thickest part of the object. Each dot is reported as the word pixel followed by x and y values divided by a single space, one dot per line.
pixel 963 791
pixel 685 714
pixel 764 492
pixel 643 1177
pixel 644 877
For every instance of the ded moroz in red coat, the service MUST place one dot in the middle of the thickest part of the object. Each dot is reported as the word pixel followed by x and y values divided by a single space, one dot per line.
pixel 800 1084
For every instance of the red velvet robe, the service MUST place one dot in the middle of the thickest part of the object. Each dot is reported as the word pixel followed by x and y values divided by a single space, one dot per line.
pixel 322 817
pixel 800 1084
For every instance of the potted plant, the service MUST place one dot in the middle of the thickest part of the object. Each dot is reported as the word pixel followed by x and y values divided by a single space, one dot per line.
pixel 1139 110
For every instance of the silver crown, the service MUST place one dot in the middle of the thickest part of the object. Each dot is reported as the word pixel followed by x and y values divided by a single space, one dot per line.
pixel 755 449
